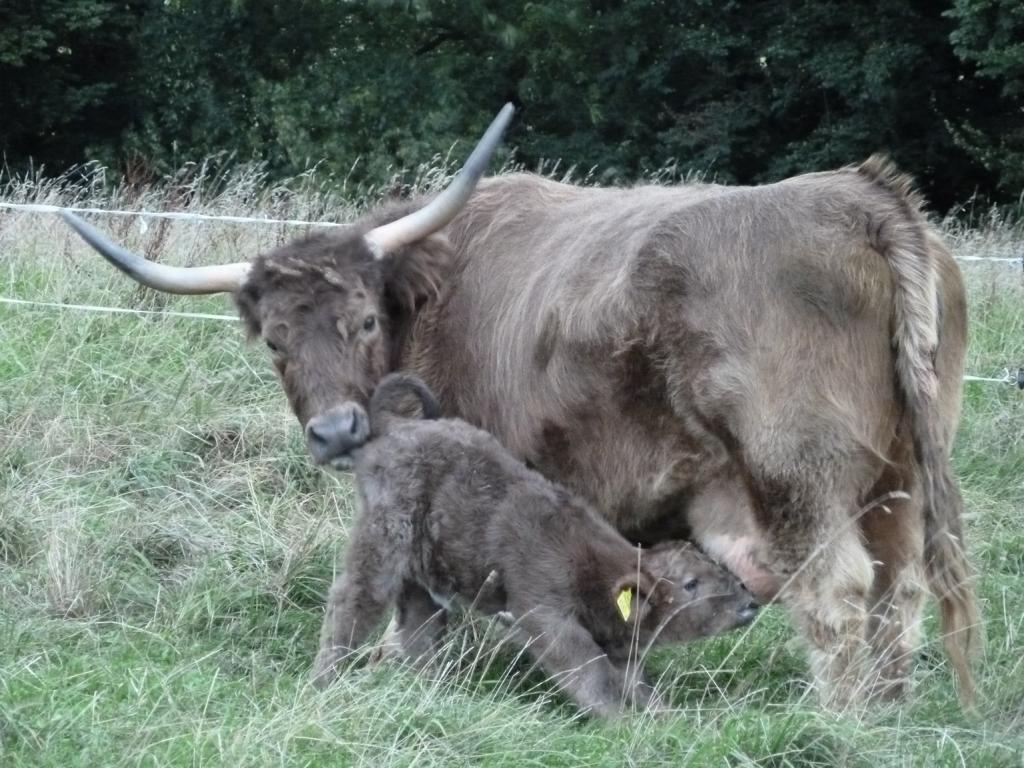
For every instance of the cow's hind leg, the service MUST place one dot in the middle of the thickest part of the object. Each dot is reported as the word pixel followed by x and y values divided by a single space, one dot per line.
pixel 815 548
pixel 828 598
pixel 893 531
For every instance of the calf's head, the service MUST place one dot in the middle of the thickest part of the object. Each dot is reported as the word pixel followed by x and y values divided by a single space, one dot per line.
pixel 681 594
pixel 330 308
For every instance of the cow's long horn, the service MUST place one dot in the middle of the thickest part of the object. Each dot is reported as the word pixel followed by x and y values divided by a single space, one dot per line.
pixel 442 208
pixel 212 279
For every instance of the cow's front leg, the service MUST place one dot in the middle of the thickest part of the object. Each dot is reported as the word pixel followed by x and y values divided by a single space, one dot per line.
pixel 352 614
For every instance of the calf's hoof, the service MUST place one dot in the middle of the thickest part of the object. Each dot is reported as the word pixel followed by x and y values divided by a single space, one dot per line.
pixel 325 669
pixel 386 650
pixel 652 702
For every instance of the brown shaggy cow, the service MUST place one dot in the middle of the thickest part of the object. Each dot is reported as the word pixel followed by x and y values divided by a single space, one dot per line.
pixel 445 512
pixel 752 365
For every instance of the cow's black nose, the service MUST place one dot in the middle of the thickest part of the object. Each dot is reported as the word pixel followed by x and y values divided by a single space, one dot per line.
pixel 336 432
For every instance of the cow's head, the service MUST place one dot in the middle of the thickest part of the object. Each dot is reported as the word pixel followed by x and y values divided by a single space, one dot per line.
pixel 330 311
pixel 330 307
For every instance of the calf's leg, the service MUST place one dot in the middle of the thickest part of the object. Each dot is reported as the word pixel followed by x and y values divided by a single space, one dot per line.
pixel 421 623
pixel 577 664
pixel 358 602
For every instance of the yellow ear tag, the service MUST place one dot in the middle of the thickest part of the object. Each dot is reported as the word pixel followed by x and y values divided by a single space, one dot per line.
pixel 625 603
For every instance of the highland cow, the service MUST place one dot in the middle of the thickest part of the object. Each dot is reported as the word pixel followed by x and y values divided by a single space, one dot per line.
pixel 751 366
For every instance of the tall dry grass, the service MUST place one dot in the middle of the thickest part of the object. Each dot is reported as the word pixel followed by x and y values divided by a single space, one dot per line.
pixel 165 544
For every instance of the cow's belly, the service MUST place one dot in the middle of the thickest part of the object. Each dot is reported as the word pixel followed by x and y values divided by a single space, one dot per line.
pixel 653 473
pixel 660 484
pixel 639 474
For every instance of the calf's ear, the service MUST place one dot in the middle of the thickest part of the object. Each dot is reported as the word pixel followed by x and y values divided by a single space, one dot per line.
pixel 632 595
pixel 416 273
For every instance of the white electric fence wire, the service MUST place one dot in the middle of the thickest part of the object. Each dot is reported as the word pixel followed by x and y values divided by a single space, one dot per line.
pixel 181 215
pixel 118 310
pixel 187 216
pixel 1007 259
pixel 1007 378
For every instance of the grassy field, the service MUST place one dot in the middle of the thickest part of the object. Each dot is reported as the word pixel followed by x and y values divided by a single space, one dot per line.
pixel 165 546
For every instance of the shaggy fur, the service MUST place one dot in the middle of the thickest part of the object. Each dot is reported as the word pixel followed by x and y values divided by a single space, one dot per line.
pixel 753 364
pixel 795 347
pixel 446 513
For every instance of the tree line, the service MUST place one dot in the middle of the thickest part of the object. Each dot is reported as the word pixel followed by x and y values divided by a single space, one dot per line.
pixel 740 90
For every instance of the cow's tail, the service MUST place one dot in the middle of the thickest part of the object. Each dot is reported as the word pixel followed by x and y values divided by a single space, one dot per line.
pixel 900 234
pixel 390 395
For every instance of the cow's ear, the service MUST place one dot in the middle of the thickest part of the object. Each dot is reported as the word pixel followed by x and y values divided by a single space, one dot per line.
pixel 415 273
pixel 247 299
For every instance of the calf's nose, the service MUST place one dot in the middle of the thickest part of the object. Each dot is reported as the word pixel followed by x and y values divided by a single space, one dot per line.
pixel 336 432
pixel 749 610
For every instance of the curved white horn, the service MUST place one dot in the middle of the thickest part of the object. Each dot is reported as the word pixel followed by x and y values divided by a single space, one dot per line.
pixel 442 208
pixel 213 279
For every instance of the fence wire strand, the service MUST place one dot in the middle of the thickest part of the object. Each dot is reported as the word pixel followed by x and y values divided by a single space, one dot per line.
pixel 1008 376
pixel 117 310
pixel 189 216
pixel 180 215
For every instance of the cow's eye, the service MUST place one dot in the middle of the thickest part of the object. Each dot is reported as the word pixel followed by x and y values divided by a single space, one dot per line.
pixel 369 323
pixel 273 347
pixel 691 585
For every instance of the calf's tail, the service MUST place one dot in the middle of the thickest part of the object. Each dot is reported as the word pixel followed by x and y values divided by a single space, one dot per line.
pixel 388 398
pixel 900 235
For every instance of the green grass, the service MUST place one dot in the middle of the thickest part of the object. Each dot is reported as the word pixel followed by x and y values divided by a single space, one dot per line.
pixel 165 546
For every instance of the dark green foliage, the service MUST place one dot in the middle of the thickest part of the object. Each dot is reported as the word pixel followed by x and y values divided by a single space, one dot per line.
pixel 65 69
pixel 990 36
pixel 744 91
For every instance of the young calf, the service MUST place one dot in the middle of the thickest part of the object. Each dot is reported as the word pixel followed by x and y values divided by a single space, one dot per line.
pixel 446 512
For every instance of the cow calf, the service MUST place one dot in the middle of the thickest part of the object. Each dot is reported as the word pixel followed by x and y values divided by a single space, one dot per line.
pixel 446 513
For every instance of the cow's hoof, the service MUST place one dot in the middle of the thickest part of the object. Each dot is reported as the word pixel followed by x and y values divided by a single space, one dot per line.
pixel 890 691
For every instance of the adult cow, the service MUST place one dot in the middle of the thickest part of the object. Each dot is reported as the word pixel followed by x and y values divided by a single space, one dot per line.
pixel 752 364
